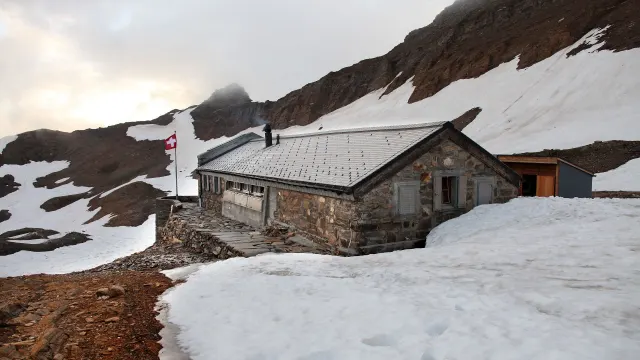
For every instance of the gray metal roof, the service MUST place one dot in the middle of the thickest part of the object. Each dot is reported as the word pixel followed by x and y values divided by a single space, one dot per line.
pixel 336 158
pixel 226 147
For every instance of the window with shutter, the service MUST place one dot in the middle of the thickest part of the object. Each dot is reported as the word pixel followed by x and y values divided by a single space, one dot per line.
pixel 407 198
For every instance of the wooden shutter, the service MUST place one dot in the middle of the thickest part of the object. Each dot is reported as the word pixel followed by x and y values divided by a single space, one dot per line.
pixel 462 192
pixel 437 193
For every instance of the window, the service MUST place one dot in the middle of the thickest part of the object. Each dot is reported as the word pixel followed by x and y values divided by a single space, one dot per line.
pixel 216 185
pixel 407 198
pixel 205 182
pixel 449 190
pixel 257 190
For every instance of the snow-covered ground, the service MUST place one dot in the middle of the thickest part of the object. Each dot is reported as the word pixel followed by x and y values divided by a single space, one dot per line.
pixel 532 279
pixel 624 178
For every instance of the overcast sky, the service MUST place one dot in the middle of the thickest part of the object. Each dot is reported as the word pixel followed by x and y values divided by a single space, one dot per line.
pixel 74 64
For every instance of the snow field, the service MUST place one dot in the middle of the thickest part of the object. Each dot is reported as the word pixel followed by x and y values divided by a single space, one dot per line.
pixel 107 244
pixel 531 279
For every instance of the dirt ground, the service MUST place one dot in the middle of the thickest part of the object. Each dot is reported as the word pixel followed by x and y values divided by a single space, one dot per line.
pixel 99 315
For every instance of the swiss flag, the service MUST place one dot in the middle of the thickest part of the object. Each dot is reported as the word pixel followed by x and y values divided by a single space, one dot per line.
pixel 171 142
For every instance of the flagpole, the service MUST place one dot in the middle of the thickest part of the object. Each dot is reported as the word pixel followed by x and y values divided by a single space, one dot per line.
pixel 175 155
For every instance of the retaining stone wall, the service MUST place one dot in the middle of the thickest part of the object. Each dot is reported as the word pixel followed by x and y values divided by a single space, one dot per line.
pixel 178 230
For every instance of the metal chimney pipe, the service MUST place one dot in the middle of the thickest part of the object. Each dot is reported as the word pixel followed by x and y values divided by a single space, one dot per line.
pixel 277 139
pixel 268 139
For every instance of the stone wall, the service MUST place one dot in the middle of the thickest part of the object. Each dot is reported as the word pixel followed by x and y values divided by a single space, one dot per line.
pixel 163 207
pixel 320 216
pixel 378 226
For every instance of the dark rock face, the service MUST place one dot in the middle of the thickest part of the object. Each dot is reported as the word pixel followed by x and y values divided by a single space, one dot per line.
pixel 7 185
pixel 231 95
pixel 58 203
pixel 467 118
pixel 131 204
pixel 7 247
pixel 601 156
pixel 4 215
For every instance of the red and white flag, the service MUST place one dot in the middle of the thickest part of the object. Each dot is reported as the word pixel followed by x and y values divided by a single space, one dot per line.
pixel 171 142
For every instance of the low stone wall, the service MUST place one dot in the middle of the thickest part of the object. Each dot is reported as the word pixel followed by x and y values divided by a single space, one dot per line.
pixel 197 239
pixel 164 204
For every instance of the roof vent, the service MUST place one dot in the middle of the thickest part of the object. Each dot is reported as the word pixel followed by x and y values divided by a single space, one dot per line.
pixel 268 139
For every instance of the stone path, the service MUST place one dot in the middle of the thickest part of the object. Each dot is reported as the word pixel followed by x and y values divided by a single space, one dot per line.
pixel 210 233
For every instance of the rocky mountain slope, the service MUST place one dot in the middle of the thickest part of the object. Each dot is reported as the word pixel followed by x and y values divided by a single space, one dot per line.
pixel 517 75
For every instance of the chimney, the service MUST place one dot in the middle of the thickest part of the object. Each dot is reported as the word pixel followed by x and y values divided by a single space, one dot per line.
pixel 267 135
pixel 277 139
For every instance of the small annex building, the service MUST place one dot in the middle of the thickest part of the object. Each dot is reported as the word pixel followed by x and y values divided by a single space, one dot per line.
pixel 550 176
pixel 362 190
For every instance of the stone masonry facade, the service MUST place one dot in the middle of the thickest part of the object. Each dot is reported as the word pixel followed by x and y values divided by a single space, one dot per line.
pixel 380 229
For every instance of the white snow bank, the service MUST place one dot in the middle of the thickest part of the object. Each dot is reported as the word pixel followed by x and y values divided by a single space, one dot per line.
pixel 532 279
pixel 5 141
pixel 624 178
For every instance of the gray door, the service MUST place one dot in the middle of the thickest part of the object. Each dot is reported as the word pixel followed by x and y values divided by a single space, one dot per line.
pixel 485 193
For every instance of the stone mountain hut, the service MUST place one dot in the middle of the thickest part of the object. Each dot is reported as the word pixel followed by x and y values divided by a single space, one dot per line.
pixel 361 190
pixel 550 176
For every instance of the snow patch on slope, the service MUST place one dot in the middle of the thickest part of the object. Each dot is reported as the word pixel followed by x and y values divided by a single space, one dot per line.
pixel 531 279
pixel 624 178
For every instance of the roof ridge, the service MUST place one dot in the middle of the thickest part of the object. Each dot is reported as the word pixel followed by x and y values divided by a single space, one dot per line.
pixel 364 129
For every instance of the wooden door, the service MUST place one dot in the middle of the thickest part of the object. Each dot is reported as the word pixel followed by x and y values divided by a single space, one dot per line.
pixel 546 186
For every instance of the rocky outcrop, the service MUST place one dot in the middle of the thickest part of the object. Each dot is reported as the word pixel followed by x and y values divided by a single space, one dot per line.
pixel 601 156
pixel 8 247
pixel 131 205
pixel 465 119
pixel 7 185
pixel 59 202
pixel 4 215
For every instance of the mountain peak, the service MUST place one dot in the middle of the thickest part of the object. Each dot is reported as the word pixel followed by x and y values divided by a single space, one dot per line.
pixel 232 94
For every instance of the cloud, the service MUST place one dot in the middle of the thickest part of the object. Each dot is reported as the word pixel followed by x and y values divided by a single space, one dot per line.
pixel 74 64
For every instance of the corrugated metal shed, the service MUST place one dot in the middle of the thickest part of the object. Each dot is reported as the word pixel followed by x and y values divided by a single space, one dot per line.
pixel 335 158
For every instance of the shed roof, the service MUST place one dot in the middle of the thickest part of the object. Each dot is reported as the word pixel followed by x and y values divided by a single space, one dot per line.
pixel 552 160
pixel 339 159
